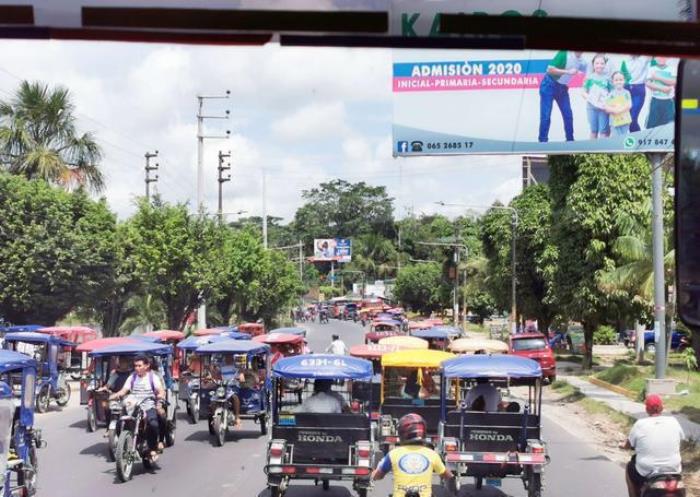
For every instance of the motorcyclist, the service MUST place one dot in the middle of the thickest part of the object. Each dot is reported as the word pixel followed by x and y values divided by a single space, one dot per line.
pixel 145 388
pixel 656 441
pixel 337 346
pixel 412 463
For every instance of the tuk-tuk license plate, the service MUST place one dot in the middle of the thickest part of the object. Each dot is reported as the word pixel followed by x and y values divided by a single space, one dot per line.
pixel 494 482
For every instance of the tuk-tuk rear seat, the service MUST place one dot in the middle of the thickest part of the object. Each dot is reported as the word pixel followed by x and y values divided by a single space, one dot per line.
pixel 321 438
pixel 492 431
pixel 428 408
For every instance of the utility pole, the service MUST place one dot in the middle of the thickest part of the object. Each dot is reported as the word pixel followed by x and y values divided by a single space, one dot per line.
pixel 657 210
pixel 301 261
pixel 264 208
pixel 221 168
pixel 200 141
pixel 150 168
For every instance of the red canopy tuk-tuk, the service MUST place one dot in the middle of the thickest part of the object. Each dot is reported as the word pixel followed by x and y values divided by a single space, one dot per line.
pixel 77 335
pixel 252 329
pixel 282 344
pixel 171 337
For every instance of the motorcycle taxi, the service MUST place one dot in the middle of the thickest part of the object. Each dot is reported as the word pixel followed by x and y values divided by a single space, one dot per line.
pixel 405 342
pixel 371 392
pixel 48 350
pixel 126 441
pixel 478 346
pixel 409 384
pixel 491 445
pixel 252 329
pixel 190 365
pixel 234 371
pixel 438 339
pixel 309 445
pixel 382 329
pixel 77 335
pixel 95 376
pixel 18 438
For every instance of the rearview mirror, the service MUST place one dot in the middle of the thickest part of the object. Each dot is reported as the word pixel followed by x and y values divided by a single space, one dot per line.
pixel 687 178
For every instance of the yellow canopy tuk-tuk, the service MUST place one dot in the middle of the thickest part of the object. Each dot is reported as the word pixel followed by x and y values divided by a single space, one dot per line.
pixel 405 342
pixel 478 345
pixel 410 383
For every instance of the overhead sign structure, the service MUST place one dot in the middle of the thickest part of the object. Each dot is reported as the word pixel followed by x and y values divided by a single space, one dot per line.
pixel 333 249
pixel 500 102
pixel 195 20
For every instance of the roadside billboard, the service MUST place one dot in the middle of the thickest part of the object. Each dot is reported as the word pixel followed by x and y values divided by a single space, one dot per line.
pixel 333 249
pixel 503 102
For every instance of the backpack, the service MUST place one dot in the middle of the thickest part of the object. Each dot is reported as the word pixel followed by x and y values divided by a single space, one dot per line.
pixel 150 379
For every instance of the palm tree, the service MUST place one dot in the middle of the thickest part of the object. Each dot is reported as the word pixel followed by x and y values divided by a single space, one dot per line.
pixel 144 313
pixel 38 139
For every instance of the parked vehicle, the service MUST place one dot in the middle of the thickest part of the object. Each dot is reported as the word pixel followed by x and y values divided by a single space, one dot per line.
pixel 18 374
pixel 409 385
pixel 478 346
pixel 77 335
pixel 320 447
pixel 48 351
pixel 223 363
pixel 123 417
pixel 679 340
pixel 536 347
pixel 498 444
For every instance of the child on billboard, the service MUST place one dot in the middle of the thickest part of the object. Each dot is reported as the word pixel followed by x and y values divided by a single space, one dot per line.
pixel 661 80
pixel 596 89
pixel 618 105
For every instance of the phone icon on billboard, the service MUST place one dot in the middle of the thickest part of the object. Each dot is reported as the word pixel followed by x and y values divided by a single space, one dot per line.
pixel 416 146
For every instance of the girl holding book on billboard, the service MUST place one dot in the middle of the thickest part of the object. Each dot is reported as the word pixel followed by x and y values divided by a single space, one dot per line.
pixel 596 89
pixel 618 105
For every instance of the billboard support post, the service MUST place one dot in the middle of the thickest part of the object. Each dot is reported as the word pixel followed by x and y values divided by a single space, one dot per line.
pixel 656 161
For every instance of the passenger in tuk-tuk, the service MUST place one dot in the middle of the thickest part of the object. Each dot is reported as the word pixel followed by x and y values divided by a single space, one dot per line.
pixel 324 400
pixel 423 389
pixel 490 394
pixel 118 375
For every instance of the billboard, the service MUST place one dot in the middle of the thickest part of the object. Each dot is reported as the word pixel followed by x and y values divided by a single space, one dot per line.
pixel 502 102
pixel 333 249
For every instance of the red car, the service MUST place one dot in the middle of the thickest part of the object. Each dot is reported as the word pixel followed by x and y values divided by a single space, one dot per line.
pixel 535 346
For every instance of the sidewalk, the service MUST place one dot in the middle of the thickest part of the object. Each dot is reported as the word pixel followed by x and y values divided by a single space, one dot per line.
pixel 625 405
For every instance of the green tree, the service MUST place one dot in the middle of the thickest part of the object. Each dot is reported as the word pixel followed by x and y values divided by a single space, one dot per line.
pixel 177 256
pixel 56 250
pixel 418 287
pixel 535 254
pixel 341 209
pixel 588 193
pixel 145 312
pixel 39 139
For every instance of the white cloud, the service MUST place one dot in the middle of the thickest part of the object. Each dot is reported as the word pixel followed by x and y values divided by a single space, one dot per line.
pixel 306 115
pixel 317 121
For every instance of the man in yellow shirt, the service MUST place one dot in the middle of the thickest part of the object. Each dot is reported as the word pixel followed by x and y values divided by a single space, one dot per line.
pixel 412 463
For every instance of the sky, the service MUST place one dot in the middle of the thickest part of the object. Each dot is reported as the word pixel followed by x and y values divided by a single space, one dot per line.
pixel 300 116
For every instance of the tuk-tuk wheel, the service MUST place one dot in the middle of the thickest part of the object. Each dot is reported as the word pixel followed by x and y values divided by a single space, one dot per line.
pixel 91 421
pixel 63 396
pixel 326 484
pixel 218 426
pixel 125 460
pixel 479 482
pixel 43 400
pixel 361 492
pixel 193 411
pixel 111 445
pixel 276 492
pixel 263 424
pixel 534 485
pixel 170 435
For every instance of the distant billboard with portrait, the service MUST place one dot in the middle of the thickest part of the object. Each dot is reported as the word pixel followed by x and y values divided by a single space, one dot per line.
pixel 500 102
pixel 333 249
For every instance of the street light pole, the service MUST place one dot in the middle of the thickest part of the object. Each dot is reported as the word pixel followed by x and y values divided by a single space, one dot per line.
pixel 222 179
pixel 514 264
pixel 658 261
pixel 148 169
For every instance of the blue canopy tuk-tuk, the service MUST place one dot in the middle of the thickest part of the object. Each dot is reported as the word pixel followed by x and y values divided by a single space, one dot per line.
pixel 116 361
pixel 48 351
pixel 188 382
pixel 317 441
pixel 19 440
pixel 437 338
pixel 486 436
pixel 234 385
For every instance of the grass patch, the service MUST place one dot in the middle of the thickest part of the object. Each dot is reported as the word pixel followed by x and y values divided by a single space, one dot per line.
pixel 633 377
pixel 575 358
pixel 690 454
pixel 568 393
pixel 595 407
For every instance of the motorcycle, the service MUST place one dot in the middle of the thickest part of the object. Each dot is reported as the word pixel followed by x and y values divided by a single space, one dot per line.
pixel 132 445
pixel 323 318
pixel 663 485
pixel 114 413
pixel 221 414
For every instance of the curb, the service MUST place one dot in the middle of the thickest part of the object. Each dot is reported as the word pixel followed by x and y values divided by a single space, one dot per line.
pixel 610 386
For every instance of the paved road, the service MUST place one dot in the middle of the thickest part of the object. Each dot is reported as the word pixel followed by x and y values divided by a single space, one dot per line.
pixel 74 463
